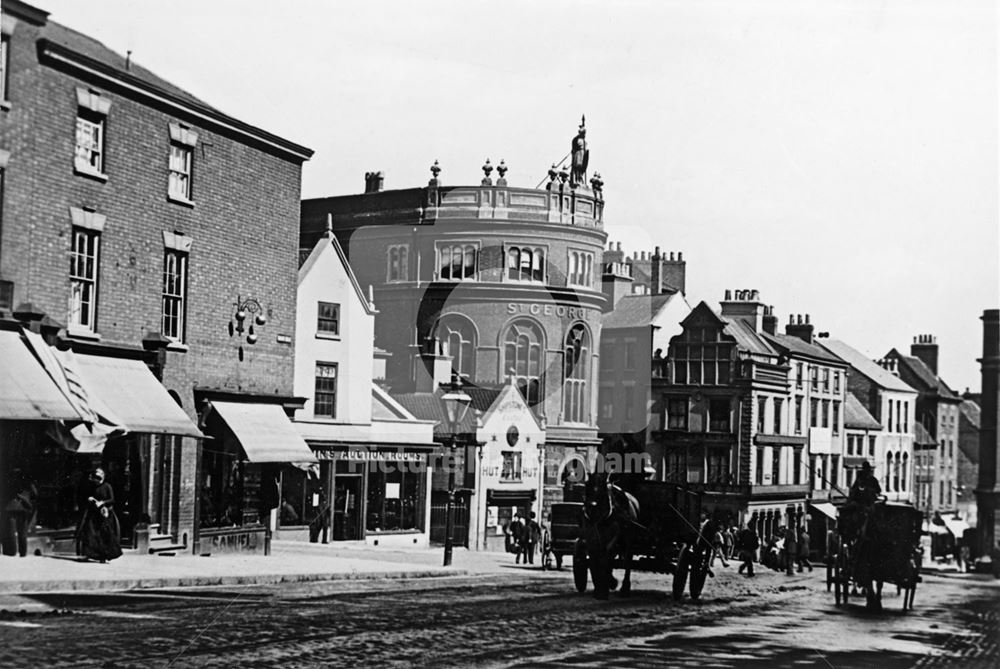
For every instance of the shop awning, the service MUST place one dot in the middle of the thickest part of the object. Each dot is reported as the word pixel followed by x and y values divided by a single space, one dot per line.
pixel 265 432
pixel 125 393
pixel 26 390
pixel 956 526
pixel 933 528
pixel 827 509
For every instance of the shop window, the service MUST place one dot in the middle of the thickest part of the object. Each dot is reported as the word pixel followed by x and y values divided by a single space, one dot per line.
pixel 397 262
pixel 677 414
pixel 175 282
pixel 328 318
pixel 221 491
pixel 511 468
pixel 576 371
pixel 456 337
pixel 523 352
pixel 302 497
pixel 395 498
pixel 325 399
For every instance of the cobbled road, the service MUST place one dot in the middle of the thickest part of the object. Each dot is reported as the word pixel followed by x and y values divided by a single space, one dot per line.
pixel 521 618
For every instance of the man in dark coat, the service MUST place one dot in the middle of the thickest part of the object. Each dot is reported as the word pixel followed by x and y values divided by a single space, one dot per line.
pixel 532 536
pixel 803 557
pixel 747 544
pixel 515 534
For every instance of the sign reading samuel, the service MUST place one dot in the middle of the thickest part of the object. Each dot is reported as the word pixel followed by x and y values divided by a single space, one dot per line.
pixel 536 309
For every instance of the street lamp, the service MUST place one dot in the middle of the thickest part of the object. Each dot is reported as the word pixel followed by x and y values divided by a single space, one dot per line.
pixel 456 404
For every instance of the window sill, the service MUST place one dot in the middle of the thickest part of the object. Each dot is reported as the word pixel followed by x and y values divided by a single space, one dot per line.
pixel 177 347
pixel 328 335
pixel 178 199
pixel 82 171
pixel 77 332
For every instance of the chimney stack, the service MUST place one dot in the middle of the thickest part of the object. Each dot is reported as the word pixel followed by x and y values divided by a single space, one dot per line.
pixel 925 347
pixel 800 328
pixel 744 305
pixel 770 321
pixel 373 181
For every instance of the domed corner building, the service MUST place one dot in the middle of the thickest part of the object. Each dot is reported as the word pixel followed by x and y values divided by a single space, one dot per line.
pixel 492 282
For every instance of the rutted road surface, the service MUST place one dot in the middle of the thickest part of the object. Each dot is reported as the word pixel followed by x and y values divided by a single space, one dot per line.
pixel 519 618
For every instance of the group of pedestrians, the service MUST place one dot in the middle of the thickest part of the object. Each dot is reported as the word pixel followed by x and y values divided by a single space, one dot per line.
pixel 786 550
pixel 523 537
pixel 97 534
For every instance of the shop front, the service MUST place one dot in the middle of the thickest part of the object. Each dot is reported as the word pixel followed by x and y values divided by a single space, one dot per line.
pixel 251 445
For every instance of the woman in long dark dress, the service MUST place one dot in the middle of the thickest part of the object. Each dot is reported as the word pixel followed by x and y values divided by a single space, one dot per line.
pixel 97 537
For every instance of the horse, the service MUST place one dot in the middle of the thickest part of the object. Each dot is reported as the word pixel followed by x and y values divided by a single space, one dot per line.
pixel 611 519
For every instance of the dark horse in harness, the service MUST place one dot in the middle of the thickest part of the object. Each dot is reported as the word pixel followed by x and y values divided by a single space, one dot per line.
pixel 611 521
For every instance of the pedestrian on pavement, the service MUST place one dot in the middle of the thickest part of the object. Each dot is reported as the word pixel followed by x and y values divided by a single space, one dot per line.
pixel 791 550
pixel 747 544
pixel 803 558
pixel 727 542
pixel 718 545
pixel 515 532
pixel 98 536
pixel 532 537
pixel 17 516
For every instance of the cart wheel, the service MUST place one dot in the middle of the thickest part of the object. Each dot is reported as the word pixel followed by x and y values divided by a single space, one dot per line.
pixel 698 575
pixel 559 560
pixel 580 566
pixel 681 574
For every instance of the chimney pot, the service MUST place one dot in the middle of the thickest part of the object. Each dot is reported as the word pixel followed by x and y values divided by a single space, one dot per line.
pixel 680 255
pixel 807 319
pixel 657 252
pixel 618 246
pixel 729 295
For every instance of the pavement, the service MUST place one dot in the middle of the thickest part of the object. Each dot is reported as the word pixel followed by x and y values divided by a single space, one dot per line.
pixel 289 562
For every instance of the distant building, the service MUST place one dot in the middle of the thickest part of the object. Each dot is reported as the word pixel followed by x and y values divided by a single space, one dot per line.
pixel 141 225
pixel 968 459
pixel 486 280
pixel 892 403
pixel 937 412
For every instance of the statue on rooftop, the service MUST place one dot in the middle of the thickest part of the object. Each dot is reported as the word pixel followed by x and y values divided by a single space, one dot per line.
pixel 580 155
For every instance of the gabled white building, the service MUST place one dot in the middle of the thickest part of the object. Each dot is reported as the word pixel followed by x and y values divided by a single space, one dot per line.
pixel 373 481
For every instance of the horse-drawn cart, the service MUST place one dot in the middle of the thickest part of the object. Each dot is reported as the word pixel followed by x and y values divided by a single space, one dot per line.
pixel 566 521
pixel 647 525
pixel 877 545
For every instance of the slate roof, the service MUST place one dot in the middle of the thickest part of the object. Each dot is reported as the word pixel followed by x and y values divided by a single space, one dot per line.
pixel 427 406
pixel 798 346
pixel 634 311
pixel 863 365
pixel 856 416
pixel 746 338
pixel 925 375
pixel 95 50
pixel 921 437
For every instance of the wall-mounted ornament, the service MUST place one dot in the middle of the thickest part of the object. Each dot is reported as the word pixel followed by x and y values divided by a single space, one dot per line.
pixel 247 314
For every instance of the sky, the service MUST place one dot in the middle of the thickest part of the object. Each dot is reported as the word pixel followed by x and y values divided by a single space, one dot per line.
pixel 839 157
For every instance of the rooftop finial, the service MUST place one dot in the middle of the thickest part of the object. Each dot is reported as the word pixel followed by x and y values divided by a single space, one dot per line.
pixel 329 225
pixel 580 155
pixel 487 170
pixel 502 172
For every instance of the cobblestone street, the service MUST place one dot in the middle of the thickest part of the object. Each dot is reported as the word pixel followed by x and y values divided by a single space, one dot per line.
pixel 515 618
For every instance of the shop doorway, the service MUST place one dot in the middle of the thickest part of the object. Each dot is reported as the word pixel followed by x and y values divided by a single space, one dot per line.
pixel 347 506
pixel 439 518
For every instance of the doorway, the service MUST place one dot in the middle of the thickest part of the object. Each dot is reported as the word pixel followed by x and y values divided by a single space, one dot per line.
pixel 347 507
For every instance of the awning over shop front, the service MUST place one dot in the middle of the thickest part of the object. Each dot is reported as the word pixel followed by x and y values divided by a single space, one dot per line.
pixel 933 528
pixel 125 393
pixel 265 432
pixel 26 390
pixel 956 526
pixel 827 509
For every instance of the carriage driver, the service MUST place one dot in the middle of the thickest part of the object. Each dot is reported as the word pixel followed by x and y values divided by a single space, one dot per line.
pixel 865 489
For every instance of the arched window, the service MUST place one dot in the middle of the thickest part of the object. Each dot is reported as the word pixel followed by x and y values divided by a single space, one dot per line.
pixel 523 355
pixel 526 264
pixel 576 370
pixel 457 337
pixel 457 262
pixel 895 472
pixel 888 472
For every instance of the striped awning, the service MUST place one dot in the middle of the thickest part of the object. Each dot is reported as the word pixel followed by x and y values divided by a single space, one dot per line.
pixel 27 392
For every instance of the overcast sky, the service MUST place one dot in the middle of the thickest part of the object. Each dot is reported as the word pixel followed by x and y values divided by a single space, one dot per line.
pixel 840 157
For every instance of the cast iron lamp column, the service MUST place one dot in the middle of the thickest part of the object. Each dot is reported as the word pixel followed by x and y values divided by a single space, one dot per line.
pixel 456 404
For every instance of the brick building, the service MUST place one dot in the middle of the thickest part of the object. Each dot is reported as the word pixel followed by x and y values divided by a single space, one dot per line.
pixel 140 223
pixel 486 280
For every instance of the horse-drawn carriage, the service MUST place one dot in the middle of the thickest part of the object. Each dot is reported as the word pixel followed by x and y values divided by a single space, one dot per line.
pixel 877 545
pixel 647 525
